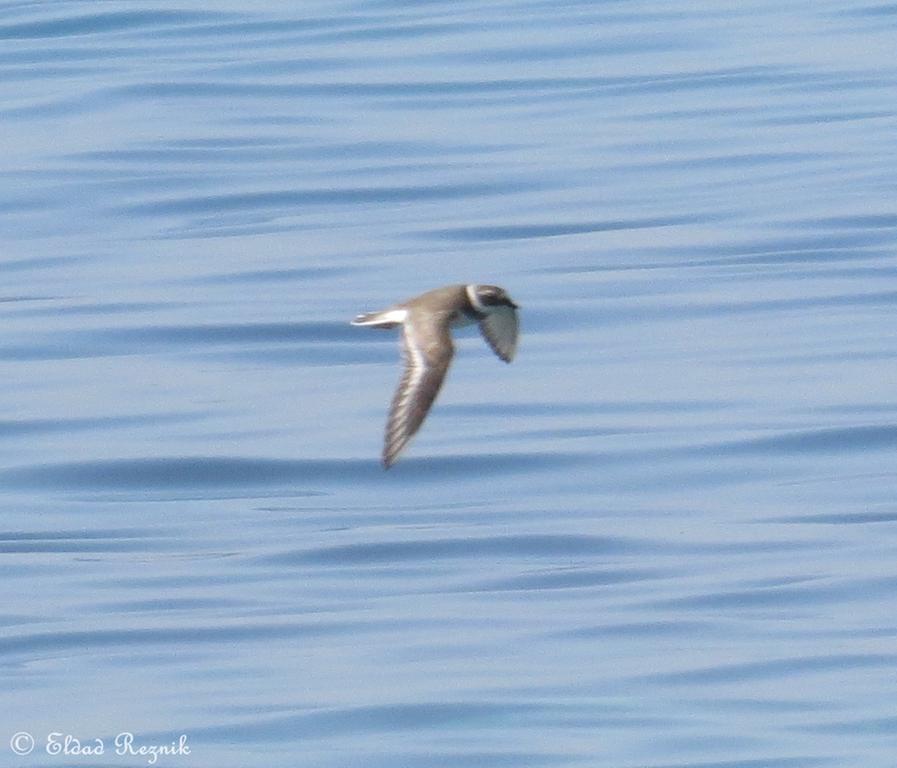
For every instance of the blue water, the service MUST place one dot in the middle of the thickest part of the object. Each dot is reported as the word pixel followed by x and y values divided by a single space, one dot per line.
pixel 666 536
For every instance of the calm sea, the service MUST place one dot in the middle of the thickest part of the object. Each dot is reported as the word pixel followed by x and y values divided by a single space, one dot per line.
pixel 665 537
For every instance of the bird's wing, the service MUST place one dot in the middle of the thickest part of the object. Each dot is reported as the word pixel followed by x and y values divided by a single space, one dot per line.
pixel 428 350
pixel 500 329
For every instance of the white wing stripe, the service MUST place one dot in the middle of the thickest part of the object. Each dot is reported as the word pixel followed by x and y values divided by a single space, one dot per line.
pixel 416 368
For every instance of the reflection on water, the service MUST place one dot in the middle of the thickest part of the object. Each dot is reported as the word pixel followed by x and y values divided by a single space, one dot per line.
pixel 663 537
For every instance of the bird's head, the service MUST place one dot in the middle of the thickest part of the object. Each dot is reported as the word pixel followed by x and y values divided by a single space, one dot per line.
pixel 491 296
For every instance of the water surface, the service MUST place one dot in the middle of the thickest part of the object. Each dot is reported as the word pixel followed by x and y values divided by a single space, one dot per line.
pixel 664 537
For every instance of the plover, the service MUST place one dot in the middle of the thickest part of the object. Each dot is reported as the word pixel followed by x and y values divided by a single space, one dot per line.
pixel 426 322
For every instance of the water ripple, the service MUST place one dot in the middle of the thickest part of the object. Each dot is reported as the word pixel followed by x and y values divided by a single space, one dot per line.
pixel 542 545
pixel 141 339
pixel 290 198
pixel 183 472
pixel 775 668
pixel 11 428
pixel 784 596
pixel 84 641
pixel 531 231
pixel 109 540
pixel 378 718
pixel 91 24
pixel 213 472
pixel 830 440
pixel 847 518
pixel 268 275
pixel 569 578
pixel 775 761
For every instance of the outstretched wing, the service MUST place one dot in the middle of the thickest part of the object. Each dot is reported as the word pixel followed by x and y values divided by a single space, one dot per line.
pixel 500 328
pixel 428 350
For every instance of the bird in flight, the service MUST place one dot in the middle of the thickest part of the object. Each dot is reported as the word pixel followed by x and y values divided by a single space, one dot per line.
pixel 426 322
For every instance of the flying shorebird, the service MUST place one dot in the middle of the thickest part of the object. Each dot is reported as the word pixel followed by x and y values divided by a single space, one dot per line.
pixel 426 322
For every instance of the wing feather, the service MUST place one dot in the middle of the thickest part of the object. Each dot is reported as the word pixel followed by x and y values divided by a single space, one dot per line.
pixel 500 328
pixel 428 351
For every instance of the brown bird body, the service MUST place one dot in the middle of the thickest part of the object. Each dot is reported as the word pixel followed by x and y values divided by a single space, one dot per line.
pixel 427 346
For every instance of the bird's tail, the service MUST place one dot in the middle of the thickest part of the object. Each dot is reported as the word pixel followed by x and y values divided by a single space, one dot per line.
pixel 386 318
